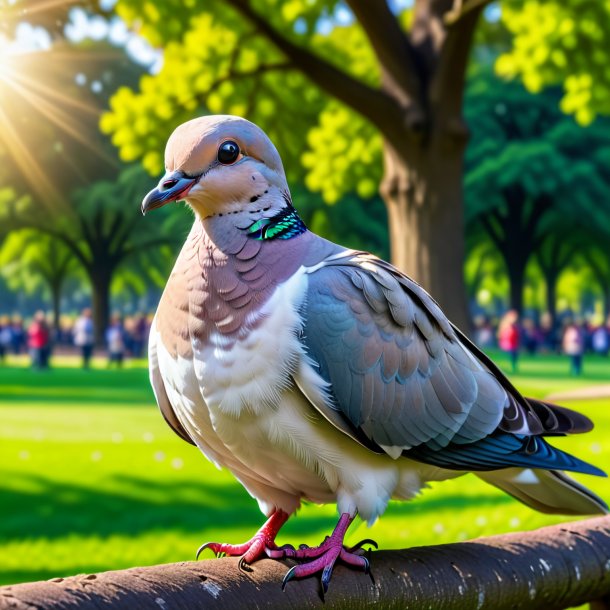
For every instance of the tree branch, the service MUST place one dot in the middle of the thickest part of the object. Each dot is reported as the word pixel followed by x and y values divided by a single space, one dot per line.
pixel 549 569
pixel 447 86
pixel 492 232
pixel 392 48
pixel 233 74
pixel 139 247
pixel 372 103
pixel 461 9
pixel 72 244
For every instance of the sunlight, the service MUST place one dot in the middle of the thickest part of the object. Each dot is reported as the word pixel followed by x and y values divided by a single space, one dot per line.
pixel 31 66
pixel 5 54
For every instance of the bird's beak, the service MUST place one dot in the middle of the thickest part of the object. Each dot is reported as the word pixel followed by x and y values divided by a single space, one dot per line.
pixel 173 186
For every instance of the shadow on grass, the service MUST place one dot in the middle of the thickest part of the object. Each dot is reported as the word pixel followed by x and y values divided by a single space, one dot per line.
pixel 52 510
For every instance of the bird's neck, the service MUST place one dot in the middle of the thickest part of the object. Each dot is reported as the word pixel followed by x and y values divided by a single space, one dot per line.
pixel 284 224
pixel 271 220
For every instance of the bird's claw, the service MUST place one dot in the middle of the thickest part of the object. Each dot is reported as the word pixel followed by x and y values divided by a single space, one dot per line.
pixel 327 572
pixel 243 565
pixel 288 577
pixel 360 544
pixel 208 545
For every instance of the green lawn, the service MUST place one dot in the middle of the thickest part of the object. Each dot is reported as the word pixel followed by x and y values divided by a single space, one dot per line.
pixel 92 478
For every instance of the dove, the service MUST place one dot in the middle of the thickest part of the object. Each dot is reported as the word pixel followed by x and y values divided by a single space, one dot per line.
pixel 313 372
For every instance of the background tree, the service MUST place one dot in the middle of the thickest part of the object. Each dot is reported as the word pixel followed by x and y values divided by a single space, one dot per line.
pixel 596 254
pixel 104 230
pixel 380 84
pixel 525 167
pixel 554 255
pixel 30 260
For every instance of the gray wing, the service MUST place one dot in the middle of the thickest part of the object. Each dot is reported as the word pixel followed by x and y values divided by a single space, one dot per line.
pixel 397 370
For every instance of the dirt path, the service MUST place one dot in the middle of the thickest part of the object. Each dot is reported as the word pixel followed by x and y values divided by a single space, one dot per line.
pixel 591 392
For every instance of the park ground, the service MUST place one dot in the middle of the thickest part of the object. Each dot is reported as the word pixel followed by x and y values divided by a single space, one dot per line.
pixel 92 479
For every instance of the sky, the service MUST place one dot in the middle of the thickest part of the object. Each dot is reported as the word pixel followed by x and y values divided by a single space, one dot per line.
pixel 83 26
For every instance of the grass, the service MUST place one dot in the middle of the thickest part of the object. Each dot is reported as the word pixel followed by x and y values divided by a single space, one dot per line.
pixel 92 479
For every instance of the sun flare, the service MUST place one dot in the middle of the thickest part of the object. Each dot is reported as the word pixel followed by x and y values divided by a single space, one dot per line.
pixel 36 93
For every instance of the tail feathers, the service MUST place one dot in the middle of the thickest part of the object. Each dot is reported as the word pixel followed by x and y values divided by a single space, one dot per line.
pixel 558 420
pixel 547 491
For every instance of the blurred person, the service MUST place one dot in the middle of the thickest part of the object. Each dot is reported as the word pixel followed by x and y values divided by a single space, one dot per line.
pixel 39 338
pixel 586 327
pixel 483 332
pixel 129 331
pixel 18 335
pixel 548 333
pixel 139 335
pixel 531 336
pixel 573 345
pixel 600 340
pixel 509 337
pixel 115 339
pixel 84 336
pixel 6 337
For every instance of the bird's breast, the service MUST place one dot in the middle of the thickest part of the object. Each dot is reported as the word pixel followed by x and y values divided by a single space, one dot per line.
pixel 251 368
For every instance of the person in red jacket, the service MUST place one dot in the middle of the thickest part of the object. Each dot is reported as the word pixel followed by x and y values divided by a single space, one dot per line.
pixel 509 336
pixel 38 341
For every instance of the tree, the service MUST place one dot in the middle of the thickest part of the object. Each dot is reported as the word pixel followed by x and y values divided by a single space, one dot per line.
pixel 556 252
pixel 30 260
pixel 63 175
pixel 382 86
pixel 104 230
pixel 596 255
pixel 527 164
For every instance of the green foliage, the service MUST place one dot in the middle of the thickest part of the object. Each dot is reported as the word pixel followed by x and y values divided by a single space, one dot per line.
pixel 522 140
pixel 352 222
pixel 561 42
pixel 30 259
pixel 530 170
pixel 215 62
pixel 344 154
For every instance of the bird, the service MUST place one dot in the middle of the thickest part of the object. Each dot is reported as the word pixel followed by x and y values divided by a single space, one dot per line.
pixel 319 373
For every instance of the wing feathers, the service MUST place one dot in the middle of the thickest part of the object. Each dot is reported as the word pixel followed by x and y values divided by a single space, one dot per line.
pixel 405 377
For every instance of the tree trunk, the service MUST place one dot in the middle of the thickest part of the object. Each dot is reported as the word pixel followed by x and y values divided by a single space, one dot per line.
pixel 100 278
pixel 550 279
pixel 422 190
pixel 516 276
pixel 56 298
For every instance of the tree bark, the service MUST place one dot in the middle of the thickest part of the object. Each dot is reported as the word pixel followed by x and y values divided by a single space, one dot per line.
pixel 422 190
pixel 549 569
pixel 516 276
pixel 56 299
pixel 550 279
pixel 100 278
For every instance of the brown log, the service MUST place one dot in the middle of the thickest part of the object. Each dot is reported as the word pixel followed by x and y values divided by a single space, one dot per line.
pixel 551 568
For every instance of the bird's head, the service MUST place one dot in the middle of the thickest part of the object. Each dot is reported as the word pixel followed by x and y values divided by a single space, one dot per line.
pixel 218 164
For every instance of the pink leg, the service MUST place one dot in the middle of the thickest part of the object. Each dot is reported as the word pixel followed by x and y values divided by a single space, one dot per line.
pixel 324 556
pixel 261 544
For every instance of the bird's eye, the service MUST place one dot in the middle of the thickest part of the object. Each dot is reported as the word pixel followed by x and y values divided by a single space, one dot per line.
pixel 228 152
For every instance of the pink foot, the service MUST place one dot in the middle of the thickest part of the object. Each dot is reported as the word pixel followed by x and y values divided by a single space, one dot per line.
pixel 324 556
pixel 260 545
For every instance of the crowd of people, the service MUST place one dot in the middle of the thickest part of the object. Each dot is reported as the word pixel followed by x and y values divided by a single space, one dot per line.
pixel 124 337
pixel 127 337
pixel 571 336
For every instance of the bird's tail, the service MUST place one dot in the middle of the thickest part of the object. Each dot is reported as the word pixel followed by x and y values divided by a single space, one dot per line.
pixel 547 491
